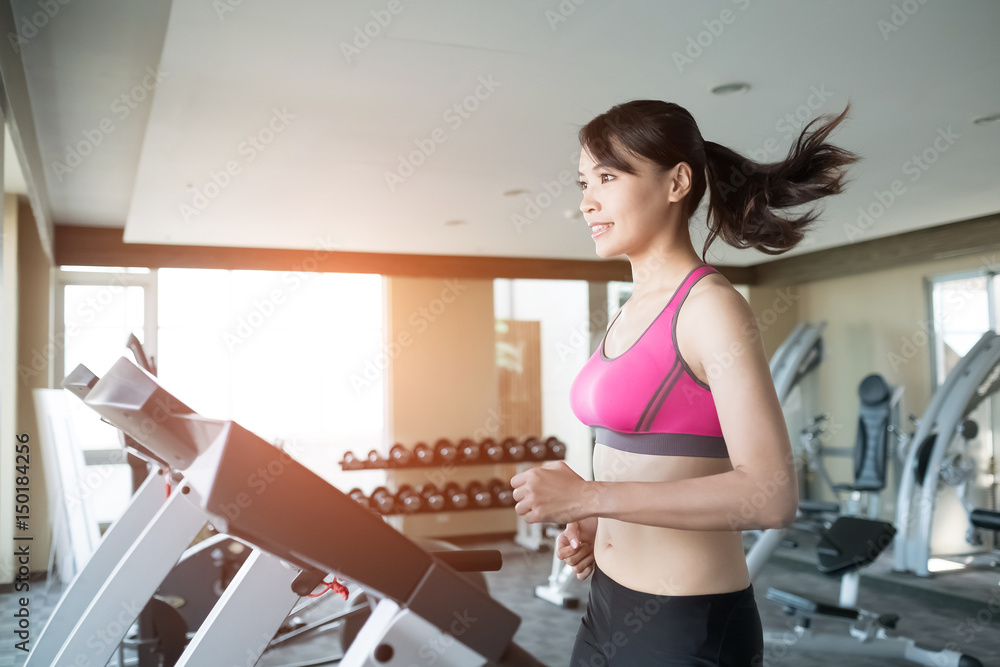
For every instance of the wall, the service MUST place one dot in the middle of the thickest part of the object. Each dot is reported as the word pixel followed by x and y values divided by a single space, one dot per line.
pixel 34 357
pixel 561 306
pixel 25 366
pixel 442 383
pixel 8 383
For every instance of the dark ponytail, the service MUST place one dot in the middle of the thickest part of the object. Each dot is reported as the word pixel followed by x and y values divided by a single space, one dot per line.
pixel 742 193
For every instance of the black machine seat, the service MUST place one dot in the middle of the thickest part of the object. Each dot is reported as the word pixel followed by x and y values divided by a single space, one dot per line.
pixel 871 444
pixel 984 518
pixel 873 429
pixel 852 542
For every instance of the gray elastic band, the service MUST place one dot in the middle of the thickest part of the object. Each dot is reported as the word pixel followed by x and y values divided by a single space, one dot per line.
pixel 665 444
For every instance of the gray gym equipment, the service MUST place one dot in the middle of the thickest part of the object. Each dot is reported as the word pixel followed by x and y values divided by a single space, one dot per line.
pixel 849 544
pixel 973 379
pixel 187 594
pixel 878 431
pixel 424 605
pixel 85 586
pixel 796 357
pixel 852 542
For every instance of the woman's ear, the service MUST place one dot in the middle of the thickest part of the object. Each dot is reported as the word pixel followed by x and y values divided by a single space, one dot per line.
pixel 680 181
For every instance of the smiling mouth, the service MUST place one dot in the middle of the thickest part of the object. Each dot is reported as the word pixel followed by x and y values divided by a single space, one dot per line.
pixel 600 228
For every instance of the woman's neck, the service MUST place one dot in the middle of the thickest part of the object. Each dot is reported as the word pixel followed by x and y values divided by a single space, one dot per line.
pixel 661 268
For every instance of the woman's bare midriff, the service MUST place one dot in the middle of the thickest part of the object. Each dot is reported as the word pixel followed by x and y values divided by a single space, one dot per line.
pixel 666 561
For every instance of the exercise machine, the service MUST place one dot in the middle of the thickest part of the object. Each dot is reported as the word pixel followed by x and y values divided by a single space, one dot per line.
pixel 936 457
pixel 851 542
pixel 877 441
pixel 848 545
pixel 256 493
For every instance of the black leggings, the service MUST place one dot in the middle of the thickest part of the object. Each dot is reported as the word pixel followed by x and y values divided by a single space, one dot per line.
pixel 628 628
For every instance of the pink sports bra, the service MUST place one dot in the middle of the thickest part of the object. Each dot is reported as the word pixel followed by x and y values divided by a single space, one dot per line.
pixel 647 400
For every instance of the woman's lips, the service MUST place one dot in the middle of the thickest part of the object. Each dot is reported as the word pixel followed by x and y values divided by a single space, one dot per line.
pixel 599 229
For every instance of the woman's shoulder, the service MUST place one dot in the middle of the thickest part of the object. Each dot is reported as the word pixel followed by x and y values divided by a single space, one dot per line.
pixel 718 309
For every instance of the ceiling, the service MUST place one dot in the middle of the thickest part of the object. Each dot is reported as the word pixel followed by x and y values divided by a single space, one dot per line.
pixel 283 125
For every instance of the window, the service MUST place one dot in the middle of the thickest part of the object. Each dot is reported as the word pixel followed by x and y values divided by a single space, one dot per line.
pixel 963 307
pixel 285 354
pixel 96 311
pixel 961 313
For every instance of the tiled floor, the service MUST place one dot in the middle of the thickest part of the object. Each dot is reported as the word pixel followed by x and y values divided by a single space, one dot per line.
pixel 961 609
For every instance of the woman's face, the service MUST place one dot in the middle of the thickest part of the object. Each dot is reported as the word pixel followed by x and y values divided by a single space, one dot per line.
pixel 625 211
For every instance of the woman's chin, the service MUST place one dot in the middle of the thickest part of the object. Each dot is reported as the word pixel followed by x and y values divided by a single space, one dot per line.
pixel 606 252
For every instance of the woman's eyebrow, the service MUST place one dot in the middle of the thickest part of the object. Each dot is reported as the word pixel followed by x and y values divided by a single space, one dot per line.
pixel 599 165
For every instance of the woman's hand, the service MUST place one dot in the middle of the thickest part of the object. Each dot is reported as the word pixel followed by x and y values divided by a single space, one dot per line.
pixel 550 493
pixel 575 546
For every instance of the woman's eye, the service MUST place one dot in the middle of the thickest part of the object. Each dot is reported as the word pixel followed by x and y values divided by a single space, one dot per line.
pixel 581 185
pixel 603 175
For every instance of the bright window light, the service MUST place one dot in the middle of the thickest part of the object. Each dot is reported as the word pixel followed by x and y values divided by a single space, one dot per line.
pixel 942 565
pixel 284 354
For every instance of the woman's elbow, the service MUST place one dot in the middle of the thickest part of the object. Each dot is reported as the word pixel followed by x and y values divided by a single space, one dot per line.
pixel 784 515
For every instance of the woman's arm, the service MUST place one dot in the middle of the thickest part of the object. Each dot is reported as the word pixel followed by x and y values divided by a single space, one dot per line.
pixel 732 500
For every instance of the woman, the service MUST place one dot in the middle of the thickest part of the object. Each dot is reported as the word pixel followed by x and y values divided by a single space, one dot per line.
pixel 691 445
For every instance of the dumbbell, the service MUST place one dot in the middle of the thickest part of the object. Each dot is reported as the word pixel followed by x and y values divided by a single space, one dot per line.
pixel 445 451
pixel 480 495
pixel 434 500
pixel 375 460
pixel 358 496
pixel 400 456
pixel 351 462
pixel 494 452
pixel 536 449
pixel 383 501
pixel 408 500
pixel 469 451
pixel 423 454
pixel 503 494
pixel 456 496
pixel 557 450
pixel 514 449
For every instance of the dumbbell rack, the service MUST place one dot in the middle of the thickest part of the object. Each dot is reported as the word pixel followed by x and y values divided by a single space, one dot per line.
pixel 530 536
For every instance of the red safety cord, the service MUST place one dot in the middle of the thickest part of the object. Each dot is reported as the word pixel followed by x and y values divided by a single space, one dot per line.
pixel 335 586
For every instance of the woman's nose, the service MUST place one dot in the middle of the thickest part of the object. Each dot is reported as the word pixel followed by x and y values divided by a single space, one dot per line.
pixel 588 204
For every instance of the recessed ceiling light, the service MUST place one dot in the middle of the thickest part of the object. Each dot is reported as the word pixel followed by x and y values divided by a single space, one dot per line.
pixel 452 223
pixel 736 88
pixel 515 192
pixel 986 120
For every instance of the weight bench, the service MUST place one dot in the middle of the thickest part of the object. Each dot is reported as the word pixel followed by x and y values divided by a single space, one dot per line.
pixel 848 545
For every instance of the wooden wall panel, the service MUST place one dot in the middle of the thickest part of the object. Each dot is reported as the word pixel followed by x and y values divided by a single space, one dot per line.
pixel 519 374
